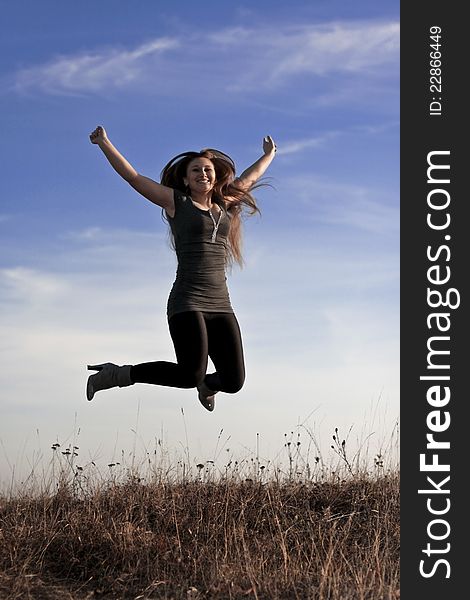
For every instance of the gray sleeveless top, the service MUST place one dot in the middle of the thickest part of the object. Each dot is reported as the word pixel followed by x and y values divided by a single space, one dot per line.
pixel 201 250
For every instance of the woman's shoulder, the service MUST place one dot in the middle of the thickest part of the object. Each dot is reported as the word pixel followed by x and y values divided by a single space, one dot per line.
pixel 182 201
pixel 178 194
pixel 181 198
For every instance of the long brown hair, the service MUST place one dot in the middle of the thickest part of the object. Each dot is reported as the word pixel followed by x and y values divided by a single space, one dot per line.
pixel 236 201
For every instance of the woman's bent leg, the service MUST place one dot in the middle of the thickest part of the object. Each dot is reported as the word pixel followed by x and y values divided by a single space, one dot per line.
pixel 189 335
pixel 226 352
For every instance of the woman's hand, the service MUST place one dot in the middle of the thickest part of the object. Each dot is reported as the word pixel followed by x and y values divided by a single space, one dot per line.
pixel 98 135
pixel 269 147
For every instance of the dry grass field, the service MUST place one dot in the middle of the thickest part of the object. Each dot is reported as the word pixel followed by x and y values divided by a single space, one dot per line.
pixel 246 531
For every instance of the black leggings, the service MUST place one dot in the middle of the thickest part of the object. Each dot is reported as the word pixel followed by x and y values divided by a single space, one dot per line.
pixel 196 336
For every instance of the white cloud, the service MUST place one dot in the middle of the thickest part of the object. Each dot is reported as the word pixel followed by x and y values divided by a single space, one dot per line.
pixel 274 57
pixel 346 47
pixel 294 146
pixel 22 283
pixel 351 206
pixel 244 59
pixel 95 71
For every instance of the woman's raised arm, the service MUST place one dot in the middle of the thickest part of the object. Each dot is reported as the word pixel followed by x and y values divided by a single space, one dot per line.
pixel 150 189
pixel 251 175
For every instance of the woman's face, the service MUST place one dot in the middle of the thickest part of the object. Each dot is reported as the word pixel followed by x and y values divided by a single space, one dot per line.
pixel 200 175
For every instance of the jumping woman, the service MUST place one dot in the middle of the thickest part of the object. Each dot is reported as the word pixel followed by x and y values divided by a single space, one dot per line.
pixel 203 201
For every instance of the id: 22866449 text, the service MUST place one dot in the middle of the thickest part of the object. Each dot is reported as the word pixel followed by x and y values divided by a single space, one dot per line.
pixel 435 70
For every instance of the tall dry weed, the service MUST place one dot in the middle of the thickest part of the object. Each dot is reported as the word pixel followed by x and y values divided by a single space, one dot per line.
pixel 249 530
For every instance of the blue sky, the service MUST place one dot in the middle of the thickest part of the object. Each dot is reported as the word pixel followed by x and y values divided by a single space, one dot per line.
pixel 85 265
